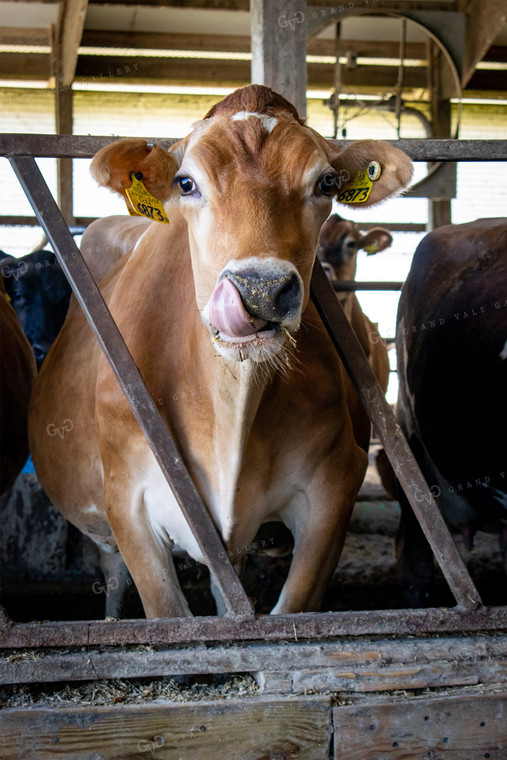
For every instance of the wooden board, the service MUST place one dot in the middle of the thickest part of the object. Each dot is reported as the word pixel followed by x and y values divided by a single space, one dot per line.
pixel 445 728
pixel 343 665
pixel 250 730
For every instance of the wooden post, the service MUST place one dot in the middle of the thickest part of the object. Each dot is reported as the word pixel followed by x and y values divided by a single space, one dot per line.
pixel 66 37
pixel 279 48
pixel 64 123
pixel 439 211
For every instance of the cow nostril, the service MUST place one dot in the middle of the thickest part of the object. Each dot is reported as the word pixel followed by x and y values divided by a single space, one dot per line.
pixel 265 296
pixel 286 295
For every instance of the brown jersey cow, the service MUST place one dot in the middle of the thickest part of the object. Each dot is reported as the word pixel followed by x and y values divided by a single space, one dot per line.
pixel 215 309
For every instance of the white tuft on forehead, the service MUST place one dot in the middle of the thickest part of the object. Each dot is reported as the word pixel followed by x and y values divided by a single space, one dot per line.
pixel 268 122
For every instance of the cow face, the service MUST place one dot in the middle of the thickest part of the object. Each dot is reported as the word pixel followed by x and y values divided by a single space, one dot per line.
pixel 254 186
pixel 339 242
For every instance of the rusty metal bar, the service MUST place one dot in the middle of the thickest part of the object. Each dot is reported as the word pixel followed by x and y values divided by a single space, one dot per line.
pixel 131 382
pixel 396 447
pixel 353 285
pixel 309 626
pixel 85 146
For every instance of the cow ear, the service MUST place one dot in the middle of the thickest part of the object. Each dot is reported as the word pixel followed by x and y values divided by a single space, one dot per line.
pixel 395 168
pixel 113 166
pixel 375 240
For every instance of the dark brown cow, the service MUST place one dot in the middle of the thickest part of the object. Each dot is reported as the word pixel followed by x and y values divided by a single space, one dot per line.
pixel 17 372
pixel 452 366
pixel 215 309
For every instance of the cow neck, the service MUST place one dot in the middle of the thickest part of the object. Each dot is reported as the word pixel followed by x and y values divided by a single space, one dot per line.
pixel 236 390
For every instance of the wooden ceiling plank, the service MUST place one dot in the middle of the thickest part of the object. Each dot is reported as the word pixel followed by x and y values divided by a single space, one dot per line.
pixel 10 35
pixel 157 41
pixel 238 44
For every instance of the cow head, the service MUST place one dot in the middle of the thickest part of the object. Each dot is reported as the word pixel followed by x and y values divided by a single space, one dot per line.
pixel 254 185
pixel 339 242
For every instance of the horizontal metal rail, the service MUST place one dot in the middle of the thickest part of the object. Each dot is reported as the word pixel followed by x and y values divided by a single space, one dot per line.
pixel 85 146
pixel 353 285
pixel 309 626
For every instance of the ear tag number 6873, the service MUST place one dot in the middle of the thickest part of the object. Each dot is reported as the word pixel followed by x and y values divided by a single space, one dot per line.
pixel 358 190
pixel 142 203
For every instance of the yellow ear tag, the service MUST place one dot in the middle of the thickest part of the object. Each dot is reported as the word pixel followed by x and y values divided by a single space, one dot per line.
pixel 142 203
pixel 359 189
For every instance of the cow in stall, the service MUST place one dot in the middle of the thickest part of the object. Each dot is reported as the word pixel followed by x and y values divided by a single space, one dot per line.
pixel 339 242
pixel 40 295
pixel 215 308
pixel 452 365
pixel 17 373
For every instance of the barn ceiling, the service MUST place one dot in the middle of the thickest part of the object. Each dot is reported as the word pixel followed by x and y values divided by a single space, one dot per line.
pixel 194 42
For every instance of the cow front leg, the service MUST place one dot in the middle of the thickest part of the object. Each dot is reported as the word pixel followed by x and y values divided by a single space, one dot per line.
pixel 147 556
pixel 115 580
pixel 318 541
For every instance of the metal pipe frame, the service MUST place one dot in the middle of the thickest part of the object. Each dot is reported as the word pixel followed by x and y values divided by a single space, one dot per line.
pixel 84 146
pixel 469 615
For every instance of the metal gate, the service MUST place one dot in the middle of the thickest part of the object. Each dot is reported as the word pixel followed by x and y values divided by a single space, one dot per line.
pixel 240 624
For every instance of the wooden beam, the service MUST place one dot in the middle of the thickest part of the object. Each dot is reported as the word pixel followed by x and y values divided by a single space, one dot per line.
pixel 439 211
pixel 108 69
pixel 70 33
pixel 346 664
pixel 37 2
pixel 238 44
pixel 279 48
pixel 484 18
pixel 219 43
pixel 26 66
pixel 497 53
pixel 10 35
pixel 223 729
pixel 235 73
pixel 200 5
pixel 64 125
pixel 456 726
pixel 404 5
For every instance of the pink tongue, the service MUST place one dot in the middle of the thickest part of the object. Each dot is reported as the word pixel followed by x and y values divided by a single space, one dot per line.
pixel 227 313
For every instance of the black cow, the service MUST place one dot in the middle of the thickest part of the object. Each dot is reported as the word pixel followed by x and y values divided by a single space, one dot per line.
pixel 40 295
pixel 452 405
pixel 17 373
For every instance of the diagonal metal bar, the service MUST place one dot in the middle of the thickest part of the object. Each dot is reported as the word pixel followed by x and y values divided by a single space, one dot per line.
pixel 392 438
pixel 132 384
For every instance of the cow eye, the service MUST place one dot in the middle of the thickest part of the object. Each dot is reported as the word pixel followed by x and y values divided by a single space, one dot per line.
pixel 187 185
pixel 328 184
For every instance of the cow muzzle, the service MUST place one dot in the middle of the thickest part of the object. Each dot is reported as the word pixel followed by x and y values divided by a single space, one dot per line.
pixel 255 308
